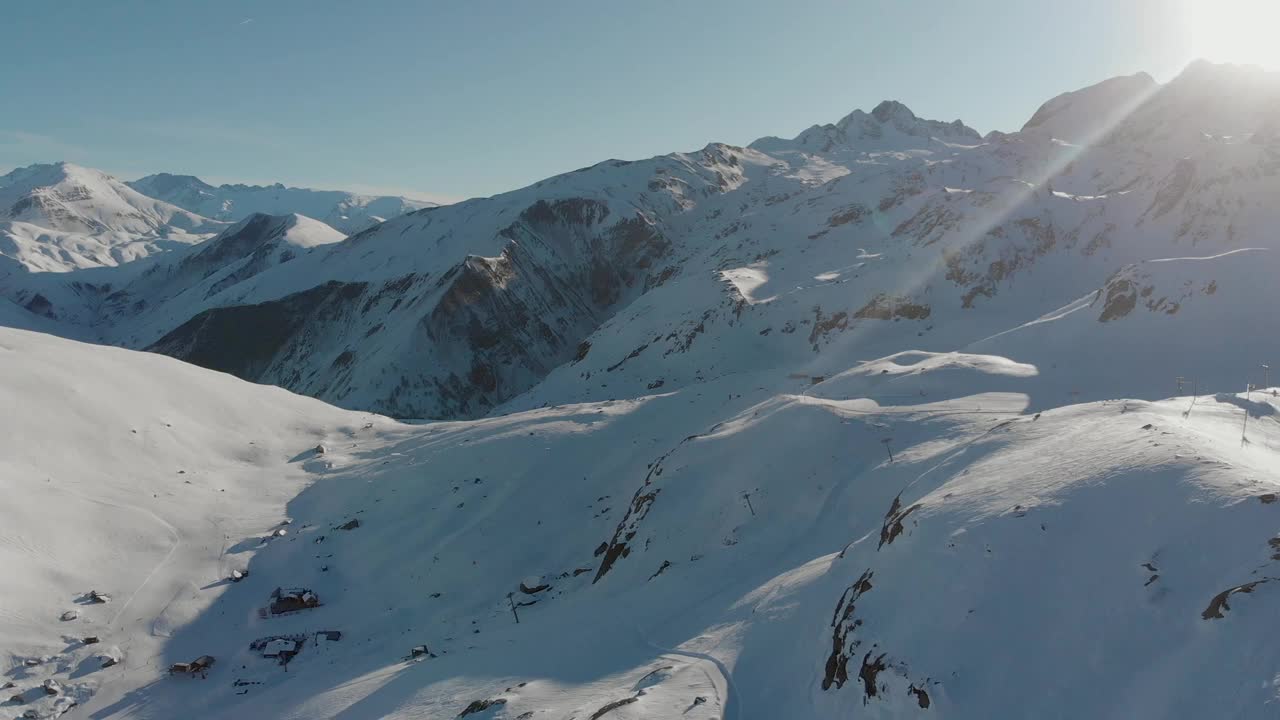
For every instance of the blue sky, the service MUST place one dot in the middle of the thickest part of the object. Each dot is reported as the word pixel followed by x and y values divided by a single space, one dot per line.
pixel 459 99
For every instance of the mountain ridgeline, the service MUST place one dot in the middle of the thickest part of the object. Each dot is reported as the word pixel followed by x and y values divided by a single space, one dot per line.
pixel 875 234
pixel 344 211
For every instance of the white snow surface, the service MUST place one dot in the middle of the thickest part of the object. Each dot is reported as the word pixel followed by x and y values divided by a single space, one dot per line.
pixel 1001 562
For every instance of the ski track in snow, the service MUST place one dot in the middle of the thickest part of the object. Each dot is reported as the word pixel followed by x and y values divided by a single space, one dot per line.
pixel 173 547
pixel 726 692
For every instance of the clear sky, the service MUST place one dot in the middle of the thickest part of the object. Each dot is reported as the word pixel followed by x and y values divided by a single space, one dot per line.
pixel 459 99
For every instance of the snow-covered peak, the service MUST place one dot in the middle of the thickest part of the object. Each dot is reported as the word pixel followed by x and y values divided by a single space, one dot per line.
pixel 40 174
pixel 291 229
pixel 245 249
pixel 1078 116
pixel 1217 102
pixel 71 198
pixel 169 183
pixel 189 280
pixel 57 175
pixel 1201 72
pixel 889 126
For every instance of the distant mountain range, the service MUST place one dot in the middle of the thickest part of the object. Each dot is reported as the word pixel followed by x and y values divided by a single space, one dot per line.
pixel 347 212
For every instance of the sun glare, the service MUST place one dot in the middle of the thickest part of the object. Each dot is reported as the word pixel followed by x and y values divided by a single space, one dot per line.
pixel 1235 31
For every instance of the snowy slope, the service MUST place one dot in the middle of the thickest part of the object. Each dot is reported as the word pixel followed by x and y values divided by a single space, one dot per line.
pixel 348 212
pixel 28 248
pixel 134 476
pixel 740 548
pixel 212 273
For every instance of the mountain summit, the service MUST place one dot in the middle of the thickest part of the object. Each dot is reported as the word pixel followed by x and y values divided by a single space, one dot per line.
pixel 890 125
pixel 70 198
pixel 61 217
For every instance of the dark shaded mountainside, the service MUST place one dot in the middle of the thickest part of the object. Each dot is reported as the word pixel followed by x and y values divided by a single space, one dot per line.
pixel 497 324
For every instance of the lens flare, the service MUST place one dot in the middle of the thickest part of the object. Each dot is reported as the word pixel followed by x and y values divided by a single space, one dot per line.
pixel 1235 31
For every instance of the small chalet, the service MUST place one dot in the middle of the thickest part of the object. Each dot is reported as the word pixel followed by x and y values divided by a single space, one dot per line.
pixel 285 600
pixel 282 649
pixel 199 666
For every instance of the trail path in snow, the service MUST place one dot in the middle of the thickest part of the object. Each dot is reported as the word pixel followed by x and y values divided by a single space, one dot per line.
pixel 173 548
pixel 726 692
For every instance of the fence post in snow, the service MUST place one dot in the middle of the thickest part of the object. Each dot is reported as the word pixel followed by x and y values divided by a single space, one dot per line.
pixel 1248 392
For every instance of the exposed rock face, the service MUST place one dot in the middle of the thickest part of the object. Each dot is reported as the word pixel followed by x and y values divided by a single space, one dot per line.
pixel 520 316
pixel 1121 298
pixel 492 326
pixel 254 341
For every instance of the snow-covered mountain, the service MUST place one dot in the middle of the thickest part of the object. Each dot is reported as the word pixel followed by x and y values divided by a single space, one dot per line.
pixel 170 287
pixel 70 198
pixel 881 233
pixel 348 212
pixel 86 252
pixel 890 126
pixel 887 419
pixel 62 217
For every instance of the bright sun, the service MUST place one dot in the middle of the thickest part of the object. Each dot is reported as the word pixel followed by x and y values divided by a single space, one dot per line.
pixel 1235 31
